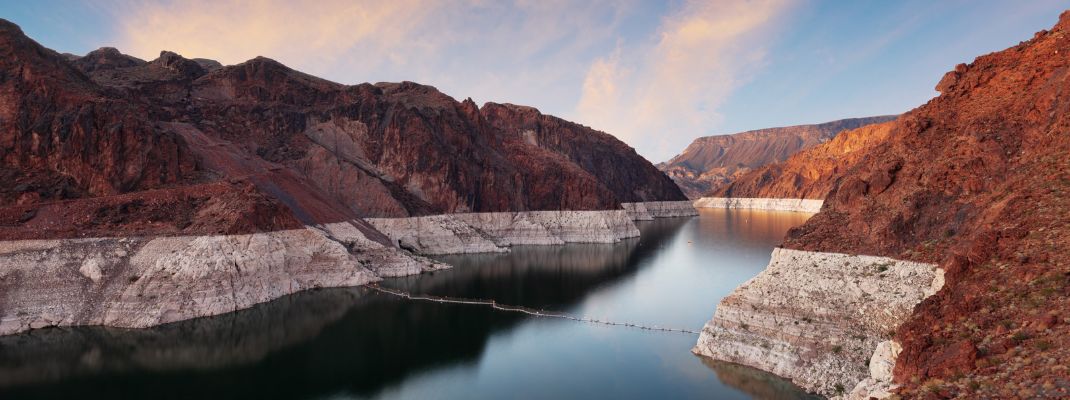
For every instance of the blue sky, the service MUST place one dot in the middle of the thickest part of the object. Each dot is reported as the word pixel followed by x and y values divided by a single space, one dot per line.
pixel 656 74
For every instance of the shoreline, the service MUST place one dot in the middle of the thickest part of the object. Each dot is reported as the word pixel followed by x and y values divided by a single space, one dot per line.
pixel 761 203
pixel 817 318
pixel 140 282
pixel 495 232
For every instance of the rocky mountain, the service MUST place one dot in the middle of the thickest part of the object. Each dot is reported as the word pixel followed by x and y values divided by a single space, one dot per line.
pixel 136 193
pixel 712 161
pixel 175 145
pixel 977 181
pixel 811 173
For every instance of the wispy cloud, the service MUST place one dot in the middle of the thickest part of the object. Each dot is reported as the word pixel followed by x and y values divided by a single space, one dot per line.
pixel 533 52
pixel 655 82
pixel 660 96
pixel 306 33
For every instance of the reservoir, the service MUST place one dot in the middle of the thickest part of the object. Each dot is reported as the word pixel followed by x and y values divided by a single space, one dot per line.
pixel 361 343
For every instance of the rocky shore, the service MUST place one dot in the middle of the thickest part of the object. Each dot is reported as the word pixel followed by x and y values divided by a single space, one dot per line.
pixel 497 231
pixel 770 204
pixel 137 282
pixel 646 211
pixel 822 320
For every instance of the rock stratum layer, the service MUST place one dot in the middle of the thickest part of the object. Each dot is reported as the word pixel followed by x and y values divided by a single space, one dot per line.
pixel 134 193
pixel 142 282
pixel 816 318
pixel 770 204
pixel 712 161
pixel 976 181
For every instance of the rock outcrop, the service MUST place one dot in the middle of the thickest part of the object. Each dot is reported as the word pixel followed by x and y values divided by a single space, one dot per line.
pixel 770 204
pixel 977 182
pixel 816 318
pixel 712 161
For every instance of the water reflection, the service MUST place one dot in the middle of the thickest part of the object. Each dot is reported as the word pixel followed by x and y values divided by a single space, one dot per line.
pixel 760 385
pixel 356 343
pixel 549 277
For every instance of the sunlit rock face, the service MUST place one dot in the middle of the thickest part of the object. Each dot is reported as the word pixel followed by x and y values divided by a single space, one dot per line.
pixel 816 318
pixel 810 173
pixel 713 161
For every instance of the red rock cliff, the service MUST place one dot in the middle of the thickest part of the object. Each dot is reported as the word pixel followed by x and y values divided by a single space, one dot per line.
pixel 713 161
pixel 811 173
pixel 180 146
pixel 977 180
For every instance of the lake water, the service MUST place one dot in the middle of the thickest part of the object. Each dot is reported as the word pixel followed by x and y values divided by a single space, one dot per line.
pixel 358 343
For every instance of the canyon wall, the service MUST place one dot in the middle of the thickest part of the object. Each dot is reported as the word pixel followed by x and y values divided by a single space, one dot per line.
pixel 712 161
pixel 810 173
pixel 976 181
pixel 137 192
pixel 816 318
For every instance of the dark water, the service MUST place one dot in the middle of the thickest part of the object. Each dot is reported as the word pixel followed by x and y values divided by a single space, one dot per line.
pixel 356 343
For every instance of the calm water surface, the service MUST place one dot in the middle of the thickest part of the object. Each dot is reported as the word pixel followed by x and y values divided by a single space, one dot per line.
pixel 355 343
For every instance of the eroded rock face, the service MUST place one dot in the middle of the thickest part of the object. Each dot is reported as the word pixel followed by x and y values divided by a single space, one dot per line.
pixel 136 193
pixel 879 384
pixel 109 124
pixel 141 282
pixel 713 161
pixel 977 181
pixel 816 318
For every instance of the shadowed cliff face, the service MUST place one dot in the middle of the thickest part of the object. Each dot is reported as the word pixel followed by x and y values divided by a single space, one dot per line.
pixel 284 146
pixel 713 161
pixel 977 180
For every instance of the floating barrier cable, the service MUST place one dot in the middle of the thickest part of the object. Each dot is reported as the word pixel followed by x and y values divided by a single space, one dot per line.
pixel 529 311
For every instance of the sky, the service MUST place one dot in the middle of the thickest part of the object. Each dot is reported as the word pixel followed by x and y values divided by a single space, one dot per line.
pixel 655 74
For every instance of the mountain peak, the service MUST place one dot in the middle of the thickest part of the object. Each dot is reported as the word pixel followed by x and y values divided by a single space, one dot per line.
pixel 184 67
pixel 106 58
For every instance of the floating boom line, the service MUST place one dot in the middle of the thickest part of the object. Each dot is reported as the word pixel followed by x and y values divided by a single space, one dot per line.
pixel 524 310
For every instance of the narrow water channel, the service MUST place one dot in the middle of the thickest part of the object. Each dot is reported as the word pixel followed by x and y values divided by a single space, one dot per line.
pixel 359 343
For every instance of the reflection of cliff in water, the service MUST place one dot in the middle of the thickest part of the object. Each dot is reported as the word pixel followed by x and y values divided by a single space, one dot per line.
pixel 756 383
pixel 316 343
